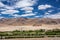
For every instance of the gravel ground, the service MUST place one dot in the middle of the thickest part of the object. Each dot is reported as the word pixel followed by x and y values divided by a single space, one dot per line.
pixel 34 39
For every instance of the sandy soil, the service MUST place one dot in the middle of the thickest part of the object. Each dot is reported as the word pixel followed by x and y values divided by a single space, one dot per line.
pixel 34 39
pixel 11 28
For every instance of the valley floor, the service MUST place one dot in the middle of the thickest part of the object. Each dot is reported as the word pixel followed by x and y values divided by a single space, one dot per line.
pixel 55 38
pixel 11 28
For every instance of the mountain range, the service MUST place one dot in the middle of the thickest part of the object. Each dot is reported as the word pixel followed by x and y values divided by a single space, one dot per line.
pixel 28 21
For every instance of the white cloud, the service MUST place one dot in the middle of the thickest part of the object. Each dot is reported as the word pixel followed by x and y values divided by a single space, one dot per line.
pixel 43 7
pixel 50 11
pixel 47 13
pixel 8 7
pixel 5 6
pixel 23 15
pixel 2 9
pixel 19 4
pixel 1 4
pixel 25 3
pixel 55 16
pixel 30 14
pixel 16 15
pixel 10 11
pixel 36 16
pixel 28 9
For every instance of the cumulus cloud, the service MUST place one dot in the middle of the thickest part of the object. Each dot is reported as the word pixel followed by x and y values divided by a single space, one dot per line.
pixel 10 11
pixel 2 9
pixel 30 14
pixel 1 4
pixel 15 15
pixel 50 11
pixel 28 9
pixel 46 13
pixel 36 16
pixel 43 7
pixel 9 8
pixel 23 15
pixel 18 3
pixel 25 3
pixel 55 16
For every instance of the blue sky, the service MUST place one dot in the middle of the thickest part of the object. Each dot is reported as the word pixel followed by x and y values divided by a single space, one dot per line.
pixel 30 8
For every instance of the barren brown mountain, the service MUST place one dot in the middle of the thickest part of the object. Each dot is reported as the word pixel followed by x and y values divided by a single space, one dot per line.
pixel 26 21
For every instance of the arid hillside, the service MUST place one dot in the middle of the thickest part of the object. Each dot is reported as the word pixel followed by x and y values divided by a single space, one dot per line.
pixel 28 22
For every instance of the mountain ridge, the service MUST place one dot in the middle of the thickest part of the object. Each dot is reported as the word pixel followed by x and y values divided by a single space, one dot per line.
pixel 28 21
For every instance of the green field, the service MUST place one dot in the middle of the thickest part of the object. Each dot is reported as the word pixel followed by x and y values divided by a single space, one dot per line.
pixel 30 34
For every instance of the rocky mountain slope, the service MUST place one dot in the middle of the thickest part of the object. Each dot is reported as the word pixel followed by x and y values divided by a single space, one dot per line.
pixel 28 22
